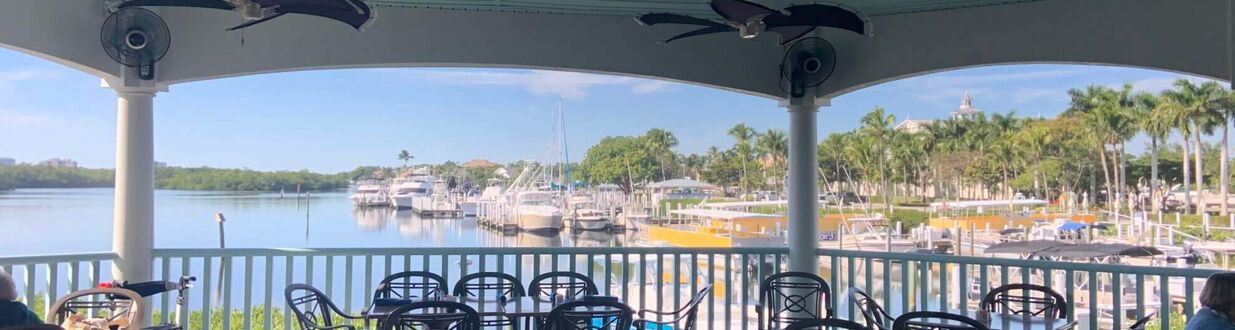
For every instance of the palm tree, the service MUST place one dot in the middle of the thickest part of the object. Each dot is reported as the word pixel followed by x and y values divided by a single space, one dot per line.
pixel 660 144
pixel 1227 110
pixel 405 157
pixel 1197 107
pixel 1156 123
pixel 773 145
pixel 743 134
pixel 877 128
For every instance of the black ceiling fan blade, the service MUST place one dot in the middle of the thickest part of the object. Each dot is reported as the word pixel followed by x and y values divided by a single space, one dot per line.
pixel 703 31
pixel 255 22
pixel 791 33
pixel 671 18
pixel 740 10
pixel 353 18
pixel 819 15
pixel 353 5
pixel 213 4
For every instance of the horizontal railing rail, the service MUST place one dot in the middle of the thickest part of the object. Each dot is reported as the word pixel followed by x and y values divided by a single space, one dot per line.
pixel 250 293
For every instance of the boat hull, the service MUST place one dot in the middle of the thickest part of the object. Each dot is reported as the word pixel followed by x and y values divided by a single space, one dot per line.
pixel 591 223
pixel 402 202
pixel 539 222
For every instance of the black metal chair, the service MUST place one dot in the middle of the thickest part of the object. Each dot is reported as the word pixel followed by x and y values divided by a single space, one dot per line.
pixel 876 317
pixel 571 284
pixel 789 297
pixel 943 321
pixel 411 284
pixel 1032 299
pixel 490 286
pixel 433 315
pixel 313 309
pixel 590 314
pixel 684 318
pixel 821 324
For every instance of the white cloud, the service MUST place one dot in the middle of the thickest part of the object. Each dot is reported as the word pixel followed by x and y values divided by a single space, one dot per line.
pixel 9 79
pixel 1155 85
pixel 1027 95
pixel 566 84
pixel 12 119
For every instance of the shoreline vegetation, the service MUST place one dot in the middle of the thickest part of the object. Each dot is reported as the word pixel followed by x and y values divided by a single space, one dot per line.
pixel 178 178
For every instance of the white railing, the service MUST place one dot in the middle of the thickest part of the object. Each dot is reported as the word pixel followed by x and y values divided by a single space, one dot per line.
pixel 644 277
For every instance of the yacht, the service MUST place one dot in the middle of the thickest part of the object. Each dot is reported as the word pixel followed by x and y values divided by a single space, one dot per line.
pixel 370 193
pixel 404 191
pixel 586 215
pixel 534 212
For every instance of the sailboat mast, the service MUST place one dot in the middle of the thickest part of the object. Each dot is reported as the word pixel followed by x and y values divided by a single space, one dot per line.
pixel 565 151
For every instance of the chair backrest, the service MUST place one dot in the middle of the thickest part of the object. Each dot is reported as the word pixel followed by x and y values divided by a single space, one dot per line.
pixel 432 314
pixel 830 323
pixel 488 285
pixel 570 284
pixel 120 306
pixel 793 296
pixel 941 321
pixel 411 284
pixel 692 307
pixel 591 314
pixel 1142 322
pixel 1026 299
pixel 876 317
pixel 313 308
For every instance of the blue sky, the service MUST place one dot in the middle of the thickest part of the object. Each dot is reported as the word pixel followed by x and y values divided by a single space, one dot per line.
pixel 337 120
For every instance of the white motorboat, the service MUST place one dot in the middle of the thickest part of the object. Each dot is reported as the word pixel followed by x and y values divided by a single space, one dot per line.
pixel 585 214
pixel 404 191
pixel 534 212
pixel 370 193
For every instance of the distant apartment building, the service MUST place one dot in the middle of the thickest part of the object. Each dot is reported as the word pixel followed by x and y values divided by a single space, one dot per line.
pixel 5 161
pixel 58 162
pixel 158 164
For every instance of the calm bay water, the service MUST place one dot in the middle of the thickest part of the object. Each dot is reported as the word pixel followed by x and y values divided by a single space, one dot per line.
pixel 43 221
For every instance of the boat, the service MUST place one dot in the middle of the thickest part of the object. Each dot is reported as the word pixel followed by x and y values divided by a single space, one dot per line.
pixel 370 193
pixel 586 215
pixel 534 212
pixel 404 191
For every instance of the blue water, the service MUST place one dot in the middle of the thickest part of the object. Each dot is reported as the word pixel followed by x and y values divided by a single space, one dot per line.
pixel 45 221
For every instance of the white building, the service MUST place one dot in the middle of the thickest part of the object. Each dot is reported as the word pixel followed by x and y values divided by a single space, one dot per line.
pixel 966 111
pixel 913 125
pixel 59 162
pixel 5 161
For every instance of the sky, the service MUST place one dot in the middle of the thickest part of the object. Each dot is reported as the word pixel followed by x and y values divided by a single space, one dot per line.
pixel 335 120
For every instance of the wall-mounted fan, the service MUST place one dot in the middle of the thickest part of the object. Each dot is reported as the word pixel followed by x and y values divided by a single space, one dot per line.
pixel 137 38
pixel 808 63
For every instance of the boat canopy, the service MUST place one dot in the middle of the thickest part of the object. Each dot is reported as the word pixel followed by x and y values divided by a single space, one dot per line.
pixel 988 204
pixel 728 205
pixel 1025 247
pixel 722 214
pixel 680 183
pixel 1100 250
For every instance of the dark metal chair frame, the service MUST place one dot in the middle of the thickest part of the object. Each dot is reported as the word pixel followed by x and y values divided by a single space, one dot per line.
pixel 686 316
pixel 905 322
pixel 400 285
pixel 320 310
pixel 507 285
pixel 578 285
pixel 1003 299
pixel 792 292
pixel 875 316
pixel 616 316
pixel 1141 323
pixel 116 302
pixel 449 316
pixel 821 324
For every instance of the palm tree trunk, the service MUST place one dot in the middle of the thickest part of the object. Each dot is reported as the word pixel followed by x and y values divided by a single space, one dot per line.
pixel 1106 174
pixel 1153 173
pixel 1223 167
pixel 1200 172
pixel 1186 179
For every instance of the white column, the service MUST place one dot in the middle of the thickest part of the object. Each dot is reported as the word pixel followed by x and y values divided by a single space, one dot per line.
pixel 803 213
pixel 133 217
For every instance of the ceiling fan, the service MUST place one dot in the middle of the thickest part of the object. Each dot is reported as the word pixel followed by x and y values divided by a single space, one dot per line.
pixel 750 19
pixel 351 12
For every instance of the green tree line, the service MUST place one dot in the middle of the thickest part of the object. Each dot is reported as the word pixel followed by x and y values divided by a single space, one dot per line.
pixel 199 178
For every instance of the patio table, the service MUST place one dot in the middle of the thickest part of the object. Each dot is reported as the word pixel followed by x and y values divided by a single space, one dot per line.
pixel 521 307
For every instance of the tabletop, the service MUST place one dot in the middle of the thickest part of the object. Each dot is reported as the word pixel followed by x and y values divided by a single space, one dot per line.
pixel 517 307
pixel 1000 321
